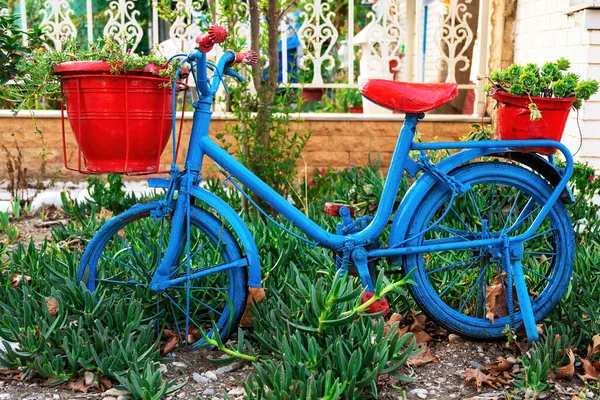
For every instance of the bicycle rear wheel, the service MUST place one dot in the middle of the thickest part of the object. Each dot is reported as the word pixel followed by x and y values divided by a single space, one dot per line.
pixel 466 291
pixel 125 252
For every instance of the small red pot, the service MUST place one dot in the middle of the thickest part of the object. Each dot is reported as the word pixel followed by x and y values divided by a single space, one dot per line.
pixel 356 109
pixel 121 121
pixel 514 121
pixel 312 94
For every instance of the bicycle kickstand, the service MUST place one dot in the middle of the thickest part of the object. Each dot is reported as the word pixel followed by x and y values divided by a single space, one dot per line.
pixel 516 253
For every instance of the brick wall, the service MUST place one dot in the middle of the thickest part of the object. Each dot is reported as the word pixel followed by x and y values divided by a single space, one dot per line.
pixel 546 30
pixel 335 144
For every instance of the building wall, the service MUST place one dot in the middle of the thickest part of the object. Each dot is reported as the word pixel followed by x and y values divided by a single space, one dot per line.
pixel 334 143
pixel 546 30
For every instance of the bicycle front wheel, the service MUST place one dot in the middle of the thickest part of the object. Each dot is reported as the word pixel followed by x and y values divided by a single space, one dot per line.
pixel 123 255
pixel 466 291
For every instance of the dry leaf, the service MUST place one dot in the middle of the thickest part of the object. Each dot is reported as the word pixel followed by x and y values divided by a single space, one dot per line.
pixel 52 305
pixel 422 338
pixel 104 384
pixel 501 365
pixel 569 369
pixel 478 377
pixel 78 386
pixel 395 317
pixel 9 371
pixel 171 340
pixel 254 295
pixel 590 371
pixel 419 323
pixel 16 279
pixel 594 348
pixel 496 304
pixel 424 357
pixel 104 213
pixel 596 365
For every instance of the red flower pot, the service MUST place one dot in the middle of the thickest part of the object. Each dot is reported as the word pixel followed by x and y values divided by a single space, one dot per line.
pixel 356 109
pixel 310 95
pixel 121 121
pixel 514 122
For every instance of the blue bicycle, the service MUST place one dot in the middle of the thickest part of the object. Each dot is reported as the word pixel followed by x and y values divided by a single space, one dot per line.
pixel 485 231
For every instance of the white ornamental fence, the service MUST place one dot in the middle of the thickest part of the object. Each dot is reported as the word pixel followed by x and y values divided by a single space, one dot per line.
pixel 408 40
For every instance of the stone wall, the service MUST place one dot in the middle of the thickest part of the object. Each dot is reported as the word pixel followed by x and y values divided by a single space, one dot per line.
pixel 334 143
pixel 548 29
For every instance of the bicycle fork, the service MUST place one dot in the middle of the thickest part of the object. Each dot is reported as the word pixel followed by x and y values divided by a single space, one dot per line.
pixel 176 246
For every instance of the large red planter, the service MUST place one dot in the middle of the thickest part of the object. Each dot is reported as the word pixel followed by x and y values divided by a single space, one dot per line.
pixel 121 121
pixel 514 122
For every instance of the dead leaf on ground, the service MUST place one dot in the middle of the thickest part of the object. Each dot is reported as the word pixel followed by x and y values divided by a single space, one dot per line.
pixel 104 384
pixel 496 304
pixel 17 279
pixel 422 338
pixel 52 306
pixel 394 318
pixel 104 213
pixel 419 321
pixel 9 371
pixel 478 378
pixel 569 369
pixel 424 357
pixel 193 335
pixel 254 295
pixel 78 386
pixel 171 340
pixel 590 372
pixel 594 348
pixel 501 365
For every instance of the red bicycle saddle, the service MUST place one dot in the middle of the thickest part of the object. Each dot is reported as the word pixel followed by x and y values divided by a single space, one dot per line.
pixel 411 98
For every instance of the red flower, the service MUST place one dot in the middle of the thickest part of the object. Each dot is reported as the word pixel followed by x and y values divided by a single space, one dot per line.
pixel 311 184
pixel 591 178
pixel 377 306
pixel 323 172
pixel 347 168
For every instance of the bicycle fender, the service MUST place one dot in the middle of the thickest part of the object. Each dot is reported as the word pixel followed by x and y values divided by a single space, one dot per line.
pixel 239 227
pixel 416 192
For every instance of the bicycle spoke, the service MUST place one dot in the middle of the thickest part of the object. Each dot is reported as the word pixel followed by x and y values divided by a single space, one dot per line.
pixel 522 218
pixel 511 211
pixel 452 266
pixel 456 279
pixel 536 273
pixel 481 275
pixel 474 201
pixel 128 266
pixel 205 305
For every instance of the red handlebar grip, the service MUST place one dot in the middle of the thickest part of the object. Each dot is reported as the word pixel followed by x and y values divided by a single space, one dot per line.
pixel 216 34
pixel 248 57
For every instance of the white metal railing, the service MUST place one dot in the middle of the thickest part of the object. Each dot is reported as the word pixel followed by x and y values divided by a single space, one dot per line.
pixel 410 40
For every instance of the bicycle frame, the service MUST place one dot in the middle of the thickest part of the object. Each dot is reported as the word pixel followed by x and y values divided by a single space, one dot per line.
pixel 201 145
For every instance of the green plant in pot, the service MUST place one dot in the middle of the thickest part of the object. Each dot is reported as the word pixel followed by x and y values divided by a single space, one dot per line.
pixel 103 85
pixel 534 102
pixel 353 100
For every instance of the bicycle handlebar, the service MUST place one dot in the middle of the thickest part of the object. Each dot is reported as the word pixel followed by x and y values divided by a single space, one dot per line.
pixel 205 42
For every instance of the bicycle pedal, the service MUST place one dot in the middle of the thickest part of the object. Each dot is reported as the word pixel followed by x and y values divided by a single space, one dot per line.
pixel 333 209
